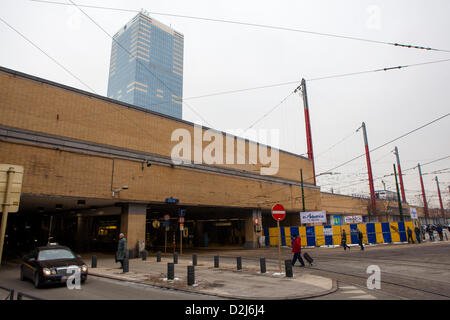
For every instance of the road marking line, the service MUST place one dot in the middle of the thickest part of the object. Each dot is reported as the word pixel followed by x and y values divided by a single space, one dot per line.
pixel 354 291
pixel 366 296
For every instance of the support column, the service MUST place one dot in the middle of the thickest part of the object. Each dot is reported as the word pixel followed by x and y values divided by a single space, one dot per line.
pixel 251 234
pixel 82 239
pixel 133 223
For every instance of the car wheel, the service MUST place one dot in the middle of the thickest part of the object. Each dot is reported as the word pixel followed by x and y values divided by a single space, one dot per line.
pixel 36 280
pixel 22 276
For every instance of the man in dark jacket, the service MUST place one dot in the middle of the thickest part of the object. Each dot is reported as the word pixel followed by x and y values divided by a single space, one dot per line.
pixel 344 240
pixel 418 234
pixel 297 250
pixel 439 231
pixel 360 239
pixel 121 249
pixel 410 237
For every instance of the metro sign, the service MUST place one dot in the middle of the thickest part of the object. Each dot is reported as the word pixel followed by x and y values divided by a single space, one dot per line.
pixel 278 212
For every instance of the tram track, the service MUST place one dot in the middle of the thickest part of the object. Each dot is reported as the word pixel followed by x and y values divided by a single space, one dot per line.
pixel 393 281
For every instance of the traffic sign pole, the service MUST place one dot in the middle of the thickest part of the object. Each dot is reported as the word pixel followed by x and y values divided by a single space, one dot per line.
pixel 278 213
pixel 174 241
pixel 181 239
pixel 279 245
pixel 165 240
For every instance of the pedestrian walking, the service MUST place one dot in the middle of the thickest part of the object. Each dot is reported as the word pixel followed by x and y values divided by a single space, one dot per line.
pixel 360 239
pixel 410 237
pixel 430 232
pixel 297 250
pixel 418 235
pixel 121 249
pixel 439 231
pixel 344 240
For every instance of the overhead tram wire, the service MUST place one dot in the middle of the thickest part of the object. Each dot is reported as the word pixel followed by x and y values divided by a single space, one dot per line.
pixel 330 35
pixel 268 112
pixel 46 54
pixel 116 109
pixel 309 80
pixel 393 140
pixel 345 75
pixel 137 60
pixel 360 181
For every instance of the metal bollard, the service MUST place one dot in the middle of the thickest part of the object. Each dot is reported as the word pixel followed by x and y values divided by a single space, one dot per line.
pixel 194 259
pixel 158 256
pixel 216 261
pixel 190 275
pixel 175 257
pixel 262 263
pixel 239 263
pixel 125 265
pixel 288 267
pixel 94 262
pixel 170 271
pixel 144 255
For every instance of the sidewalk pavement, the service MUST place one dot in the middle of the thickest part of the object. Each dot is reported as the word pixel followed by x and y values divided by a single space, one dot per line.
pixel 225 281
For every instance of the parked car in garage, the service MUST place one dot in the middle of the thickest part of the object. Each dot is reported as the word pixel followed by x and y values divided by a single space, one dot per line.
pixel 51 264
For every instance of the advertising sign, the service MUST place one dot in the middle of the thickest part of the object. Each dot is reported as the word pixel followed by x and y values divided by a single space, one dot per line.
pixel 353 219
pixel 313 217
pixel 413 213
pixel 336 220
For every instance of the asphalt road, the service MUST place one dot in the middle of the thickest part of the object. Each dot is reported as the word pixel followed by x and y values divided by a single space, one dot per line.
pixel 413 271
pixel 407 272
pixel 94 288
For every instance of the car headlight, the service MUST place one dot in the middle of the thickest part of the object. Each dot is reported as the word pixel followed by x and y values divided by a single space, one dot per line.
pixel 84 268
pixel 46 271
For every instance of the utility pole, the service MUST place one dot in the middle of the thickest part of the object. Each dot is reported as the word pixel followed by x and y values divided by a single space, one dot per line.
pixel 308 126
pixel 425 206
pixel 402 187
pixel 303 194
pixel 440 199
pixel 369 171
pixel 398 196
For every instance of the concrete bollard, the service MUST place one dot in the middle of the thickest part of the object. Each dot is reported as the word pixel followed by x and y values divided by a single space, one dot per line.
pixel 170 271
pixel 216 261
pixel 125 265
pixel 190 275
pixel 262 263
pixel 239 263
pixel 94 262
pixel 194 259
pixel 175 257
pixel 144 255
pixel 288 268
pixel 158 256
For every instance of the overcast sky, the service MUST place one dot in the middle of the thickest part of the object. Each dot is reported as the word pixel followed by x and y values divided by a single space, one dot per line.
pixel 222 57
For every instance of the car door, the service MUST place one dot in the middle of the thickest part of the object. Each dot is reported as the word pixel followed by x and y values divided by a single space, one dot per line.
pixel 29 264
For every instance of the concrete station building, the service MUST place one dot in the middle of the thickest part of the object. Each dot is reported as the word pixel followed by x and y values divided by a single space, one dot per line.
pixel 79 150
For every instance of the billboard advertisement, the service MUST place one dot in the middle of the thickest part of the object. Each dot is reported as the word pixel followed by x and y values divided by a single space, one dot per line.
pixel 313 217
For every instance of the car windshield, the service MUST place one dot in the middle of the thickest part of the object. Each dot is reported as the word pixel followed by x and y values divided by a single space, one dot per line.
pixel 54 254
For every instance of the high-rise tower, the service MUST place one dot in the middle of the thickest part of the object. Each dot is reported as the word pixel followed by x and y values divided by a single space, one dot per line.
pixel 146 67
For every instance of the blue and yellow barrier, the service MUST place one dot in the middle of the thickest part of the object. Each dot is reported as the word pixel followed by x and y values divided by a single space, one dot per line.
pixel 316 236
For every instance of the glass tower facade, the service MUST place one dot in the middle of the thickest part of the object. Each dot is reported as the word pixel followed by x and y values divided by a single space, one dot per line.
pixel 149 73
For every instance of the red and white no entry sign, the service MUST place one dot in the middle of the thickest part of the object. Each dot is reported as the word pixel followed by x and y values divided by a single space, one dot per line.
pixel 278 212
pixel 166 217
pixel 256 220
pixel 181 220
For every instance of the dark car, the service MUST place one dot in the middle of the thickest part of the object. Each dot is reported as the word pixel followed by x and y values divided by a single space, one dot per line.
pixel 51 264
